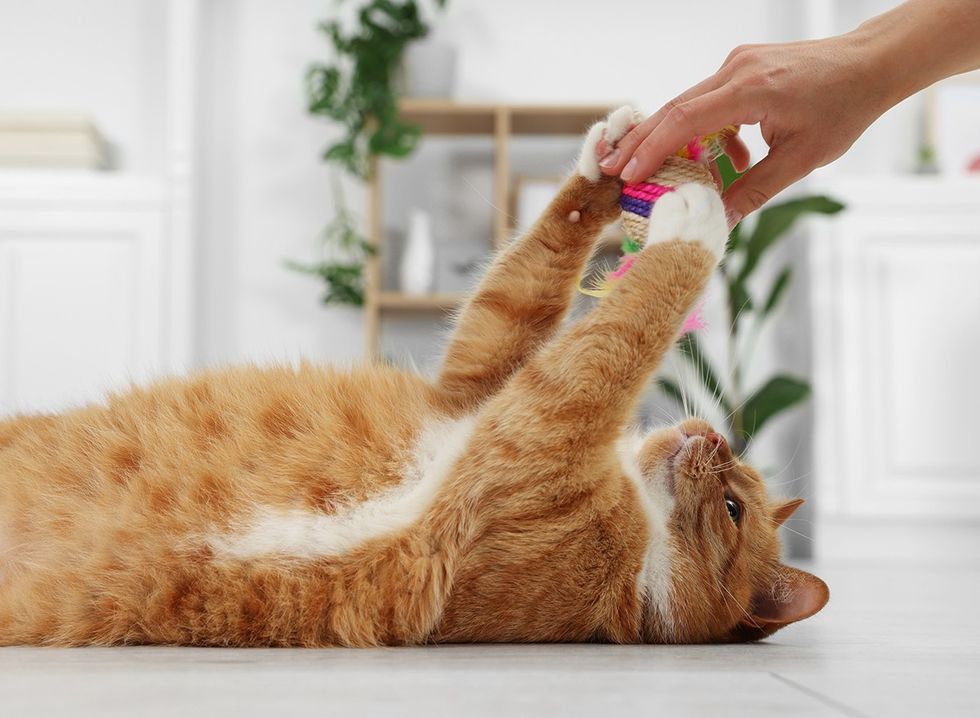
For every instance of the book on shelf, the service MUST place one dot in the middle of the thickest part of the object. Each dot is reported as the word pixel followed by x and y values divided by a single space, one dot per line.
pixel 53 140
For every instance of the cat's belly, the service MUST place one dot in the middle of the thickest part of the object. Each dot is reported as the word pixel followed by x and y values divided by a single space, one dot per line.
pixel 158 470
pixel 306 534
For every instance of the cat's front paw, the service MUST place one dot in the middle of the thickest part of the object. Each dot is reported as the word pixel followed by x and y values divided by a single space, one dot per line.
pixel 691 213
pixel 608 131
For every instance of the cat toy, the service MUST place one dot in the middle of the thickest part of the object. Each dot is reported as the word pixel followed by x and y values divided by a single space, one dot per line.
pixel 689 164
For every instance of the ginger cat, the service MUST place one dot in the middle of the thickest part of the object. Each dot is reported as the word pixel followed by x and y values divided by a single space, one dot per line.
pixel 505 501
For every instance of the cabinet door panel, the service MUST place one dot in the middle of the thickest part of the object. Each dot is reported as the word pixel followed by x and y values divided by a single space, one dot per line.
pixel 897 354
pixel 80 306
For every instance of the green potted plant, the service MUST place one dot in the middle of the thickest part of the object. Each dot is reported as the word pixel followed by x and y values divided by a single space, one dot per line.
pixel 748 410
pixel 358 90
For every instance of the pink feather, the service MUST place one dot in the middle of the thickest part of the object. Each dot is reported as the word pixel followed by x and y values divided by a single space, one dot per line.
pixel 695 320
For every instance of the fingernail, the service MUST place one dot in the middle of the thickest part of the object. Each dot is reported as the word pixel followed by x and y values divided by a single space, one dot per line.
pixel 610 160
pixel 627 173
pixel 733 218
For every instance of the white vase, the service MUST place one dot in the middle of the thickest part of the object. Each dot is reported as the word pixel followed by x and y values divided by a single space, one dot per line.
pixel 418 259
pixel 430 69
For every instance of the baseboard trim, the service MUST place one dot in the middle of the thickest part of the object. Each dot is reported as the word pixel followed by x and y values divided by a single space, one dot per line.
pixel 896 541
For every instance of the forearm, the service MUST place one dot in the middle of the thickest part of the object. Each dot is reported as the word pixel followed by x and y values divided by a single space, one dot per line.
pixel 921 42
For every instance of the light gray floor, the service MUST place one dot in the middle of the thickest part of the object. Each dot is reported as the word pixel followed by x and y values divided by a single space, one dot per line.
pixel 892 642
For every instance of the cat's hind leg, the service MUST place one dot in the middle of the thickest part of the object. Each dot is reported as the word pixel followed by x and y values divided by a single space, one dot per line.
pixel 527 291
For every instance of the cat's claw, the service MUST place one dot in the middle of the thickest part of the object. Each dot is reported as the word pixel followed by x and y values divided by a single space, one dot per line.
pixel 608 131
pixel 692 213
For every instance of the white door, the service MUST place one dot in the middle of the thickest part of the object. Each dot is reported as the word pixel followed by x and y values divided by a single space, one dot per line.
pixel 84 299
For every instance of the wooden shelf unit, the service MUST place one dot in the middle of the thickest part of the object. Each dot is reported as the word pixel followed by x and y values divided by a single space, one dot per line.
pixel 398 300
pixel 447 118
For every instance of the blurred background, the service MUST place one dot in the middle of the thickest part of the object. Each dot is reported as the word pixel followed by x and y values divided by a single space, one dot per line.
pixel 189 183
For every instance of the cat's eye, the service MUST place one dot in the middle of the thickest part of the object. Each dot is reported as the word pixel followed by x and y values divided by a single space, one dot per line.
pixel 734 510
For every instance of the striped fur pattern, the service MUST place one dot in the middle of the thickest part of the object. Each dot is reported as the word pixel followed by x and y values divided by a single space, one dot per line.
pixel 506 500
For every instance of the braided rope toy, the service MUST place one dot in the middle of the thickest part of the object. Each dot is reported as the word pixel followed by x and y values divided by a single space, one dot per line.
pixel 689 164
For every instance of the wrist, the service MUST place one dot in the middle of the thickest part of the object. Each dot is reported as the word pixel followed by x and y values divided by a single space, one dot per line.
pixel 883 61
pixel 918 43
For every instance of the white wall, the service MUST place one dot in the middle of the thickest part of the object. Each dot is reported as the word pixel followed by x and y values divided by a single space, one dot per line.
pixel 267 195
pixel 264 193
pixel 103 58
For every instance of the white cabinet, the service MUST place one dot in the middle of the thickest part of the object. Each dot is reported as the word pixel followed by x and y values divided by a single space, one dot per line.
pixel 86 282
pixel 96 269
pixel 896 294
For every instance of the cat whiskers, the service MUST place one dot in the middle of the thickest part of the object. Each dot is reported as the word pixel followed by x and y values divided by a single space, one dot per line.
pixel 512 219
pixel 790 529
pixel 772 484
pixel 724 465
pixel 730 378
pixel 796 450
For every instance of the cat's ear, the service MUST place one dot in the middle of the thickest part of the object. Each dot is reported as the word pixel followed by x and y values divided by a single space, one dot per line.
pixel 792 596
pixel 785 510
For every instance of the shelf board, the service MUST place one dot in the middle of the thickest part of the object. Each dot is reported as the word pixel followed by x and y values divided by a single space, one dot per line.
pixel 445 117
pixel 420 302
pixel 555 120
pixel 442 117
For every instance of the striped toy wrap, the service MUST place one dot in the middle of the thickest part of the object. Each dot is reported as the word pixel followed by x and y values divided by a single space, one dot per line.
pixel 688 164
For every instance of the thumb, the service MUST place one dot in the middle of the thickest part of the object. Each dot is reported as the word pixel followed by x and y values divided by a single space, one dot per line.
pixel 767 178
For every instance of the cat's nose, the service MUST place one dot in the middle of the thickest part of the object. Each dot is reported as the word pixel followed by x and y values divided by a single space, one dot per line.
pixel 716 439
pixel 695 427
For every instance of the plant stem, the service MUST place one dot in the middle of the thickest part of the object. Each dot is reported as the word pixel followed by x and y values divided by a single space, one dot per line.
pixel 735 419
pixel 736 422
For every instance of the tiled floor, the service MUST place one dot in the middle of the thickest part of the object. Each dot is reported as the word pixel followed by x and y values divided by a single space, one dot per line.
pixel 892 642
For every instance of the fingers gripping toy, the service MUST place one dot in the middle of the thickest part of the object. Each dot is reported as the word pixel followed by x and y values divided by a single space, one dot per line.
pixel 688 164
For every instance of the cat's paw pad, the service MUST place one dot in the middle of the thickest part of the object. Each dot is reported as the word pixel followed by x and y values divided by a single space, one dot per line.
pixel 691 213
pixel 608 132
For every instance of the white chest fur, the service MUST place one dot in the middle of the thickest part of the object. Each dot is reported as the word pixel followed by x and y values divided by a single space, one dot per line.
pixel 654 580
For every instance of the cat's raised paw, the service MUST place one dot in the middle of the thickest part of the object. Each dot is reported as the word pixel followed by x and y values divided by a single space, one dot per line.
pixel 608 131
pixel 691 213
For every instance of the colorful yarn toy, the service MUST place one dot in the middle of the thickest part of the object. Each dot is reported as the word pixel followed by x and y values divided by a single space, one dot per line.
pixel 688 164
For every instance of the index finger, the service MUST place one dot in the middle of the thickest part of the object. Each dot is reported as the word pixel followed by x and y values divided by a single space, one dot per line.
pixel 628 144
pixel 682 122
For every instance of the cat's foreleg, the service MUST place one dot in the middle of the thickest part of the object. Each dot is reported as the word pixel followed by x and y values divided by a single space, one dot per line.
pixel 584 385
pixel 528 289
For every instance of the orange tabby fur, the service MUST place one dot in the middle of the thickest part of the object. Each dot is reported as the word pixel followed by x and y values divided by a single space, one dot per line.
pixel 116 520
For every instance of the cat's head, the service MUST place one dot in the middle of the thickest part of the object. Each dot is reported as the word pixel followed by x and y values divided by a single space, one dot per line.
pixel 726 580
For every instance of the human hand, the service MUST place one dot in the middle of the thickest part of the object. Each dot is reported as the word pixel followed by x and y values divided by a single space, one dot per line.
pixel 812 100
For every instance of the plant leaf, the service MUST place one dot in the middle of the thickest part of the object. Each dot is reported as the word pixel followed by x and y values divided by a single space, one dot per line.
pixel 341 151
pixel 778 289
pixel 739 302
pixel 727 171
pixel 358 89
pixel 728 174
pixel 691 350
pixel 670 388
pixel 323 84
pixel 734 238
pixel 343 281
pixel 396 139
pixel 774 397
pixel 774 221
